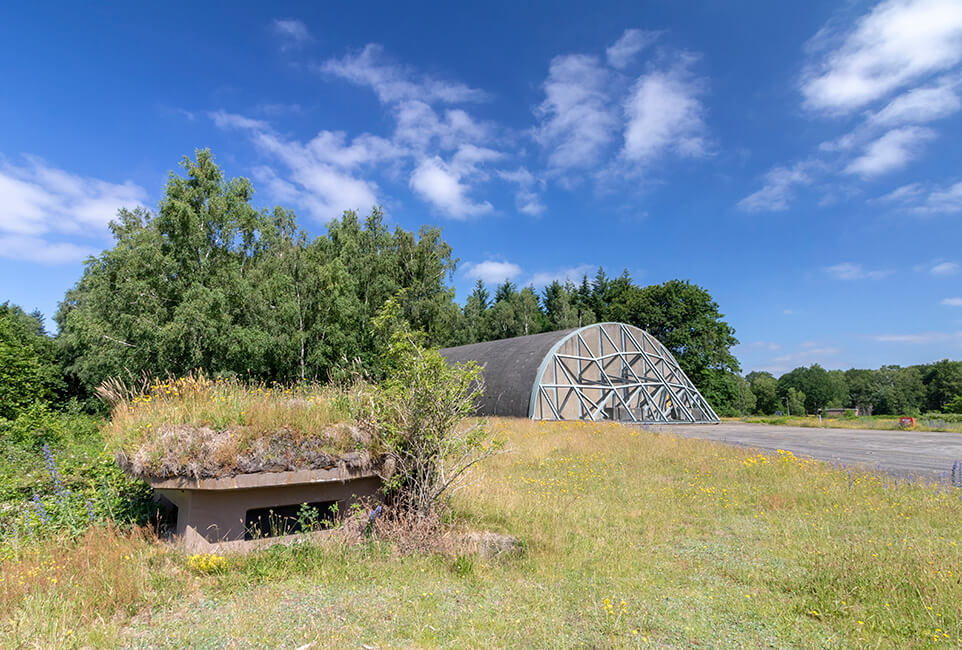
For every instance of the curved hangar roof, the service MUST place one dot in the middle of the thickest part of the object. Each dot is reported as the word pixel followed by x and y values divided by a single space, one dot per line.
pixel 603 371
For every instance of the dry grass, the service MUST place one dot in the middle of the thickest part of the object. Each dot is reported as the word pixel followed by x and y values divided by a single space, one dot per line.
pixel 58 592
pixel 199 427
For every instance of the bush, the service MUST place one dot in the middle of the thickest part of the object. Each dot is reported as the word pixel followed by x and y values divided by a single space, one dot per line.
pixel 419 410
pixel 40 425
pixel 56 477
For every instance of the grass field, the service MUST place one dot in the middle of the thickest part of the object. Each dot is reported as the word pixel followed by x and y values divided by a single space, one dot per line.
pixel 950 423
pixel 631 539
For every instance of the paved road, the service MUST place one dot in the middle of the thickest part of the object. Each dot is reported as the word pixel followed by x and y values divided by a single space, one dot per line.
pixel 899 452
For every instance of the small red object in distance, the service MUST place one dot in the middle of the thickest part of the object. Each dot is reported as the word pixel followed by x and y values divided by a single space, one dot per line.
pixel 907 423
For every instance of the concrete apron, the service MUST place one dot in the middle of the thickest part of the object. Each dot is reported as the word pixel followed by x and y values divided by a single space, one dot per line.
pixel 211 513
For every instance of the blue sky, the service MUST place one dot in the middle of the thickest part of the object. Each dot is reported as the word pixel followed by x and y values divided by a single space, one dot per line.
pixel 801 161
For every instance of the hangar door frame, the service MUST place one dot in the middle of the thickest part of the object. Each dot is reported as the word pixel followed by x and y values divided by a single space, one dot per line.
pixel 624 374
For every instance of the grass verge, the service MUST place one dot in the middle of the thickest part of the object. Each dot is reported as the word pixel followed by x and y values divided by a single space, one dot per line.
pixel 936 422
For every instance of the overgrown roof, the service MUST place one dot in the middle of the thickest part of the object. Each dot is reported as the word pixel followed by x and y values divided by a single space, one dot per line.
pixel 197 427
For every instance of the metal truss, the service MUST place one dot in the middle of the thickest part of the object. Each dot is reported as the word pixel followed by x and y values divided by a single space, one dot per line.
pixel 613 371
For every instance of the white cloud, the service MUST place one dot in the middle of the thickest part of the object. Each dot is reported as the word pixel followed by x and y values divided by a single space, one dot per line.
pixel 664 115
pixel 37 198
pixel 441 185
pixel 419 126
pixel 892 151
pixel 945 268
pixel 920 338
pixel 952 302
pixel 804 354
pixel 920 105
pixel 492 271
pixel 527 199
pixel 35 249
pixel 903 193
pixel 943 200
pixel 225 120
pixel 570 274
pixel 322 172
pixel 577 121
pixel 927 199
pixel 625 48
pixel 393 82
pixel 778 190
pixel 851 271
pixel 293 32
pixel 897 43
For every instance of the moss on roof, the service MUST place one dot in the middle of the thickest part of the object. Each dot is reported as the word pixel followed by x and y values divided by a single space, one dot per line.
pixel 197 427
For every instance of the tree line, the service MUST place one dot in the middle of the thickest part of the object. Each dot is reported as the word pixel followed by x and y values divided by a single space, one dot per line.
pixel 890 390
pixel 209 282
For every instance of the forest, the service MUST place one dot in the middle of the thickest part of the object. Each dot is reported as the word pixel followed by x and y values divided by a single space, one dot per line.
pixel 210 283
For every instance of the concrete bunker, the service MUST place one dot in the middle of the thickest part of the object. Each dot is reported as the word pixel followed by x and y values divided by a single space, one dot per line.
pixel 227 513
pixel 604 371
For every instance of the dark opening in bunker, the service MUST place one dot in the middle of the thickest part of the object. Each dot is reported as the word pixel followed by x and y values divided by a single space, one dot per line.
pixel 286 520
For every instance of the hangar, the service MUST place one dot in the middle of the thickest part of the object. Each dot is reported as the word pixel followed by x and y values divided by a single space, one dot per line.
pixel 604 371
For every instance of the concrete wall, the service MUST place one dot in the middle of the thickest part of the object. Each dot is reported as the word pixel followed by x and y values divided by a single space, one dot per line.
pixel 219 514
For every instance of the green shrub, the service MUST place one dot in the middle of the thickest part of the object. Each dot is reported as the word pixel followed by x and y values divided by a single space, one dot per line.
pixel 39 424
pixel 55 476
pixel 419 410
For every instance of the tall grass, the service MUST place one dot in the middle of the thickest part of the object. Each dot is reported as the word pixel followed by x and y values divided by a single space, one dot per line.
pixel 200 426
pixel 76 593
pixel 632 539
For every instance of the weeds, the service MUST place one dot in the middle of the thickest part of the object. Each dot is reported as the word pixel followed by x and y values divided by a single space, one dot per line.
pixel 200 427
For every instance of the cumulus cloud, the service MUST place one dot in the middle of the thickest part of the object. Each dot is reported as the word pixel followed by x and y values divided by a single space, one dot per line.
pixel 492 271
pixel 779 189
pixel 577 120
pixel 952 302
pixel 322 174
pixel 39 202
pixel 393 82
pixel 624 50
pixel 852 271
pixel 664 114
pixel 292 32
pixel 897 64
pixel 897 43
pixel 891 151
pixel 420 127
pixel 441 185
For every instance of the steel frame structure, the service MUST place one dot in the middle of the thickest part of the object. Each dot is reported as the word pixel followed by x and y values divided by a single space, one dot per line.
pixel 614 371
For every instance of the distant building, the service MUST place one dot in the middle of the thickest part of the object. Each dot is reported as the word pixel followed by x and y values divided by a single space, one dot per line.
pixel 840 412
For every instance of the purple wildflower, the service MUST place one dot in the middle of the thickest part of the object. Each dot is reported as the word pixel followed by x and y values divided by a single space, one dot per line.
pixel 41 511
